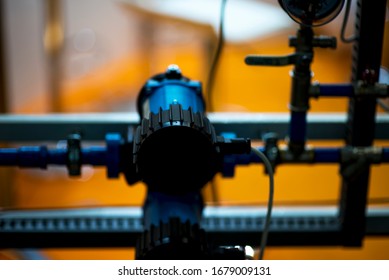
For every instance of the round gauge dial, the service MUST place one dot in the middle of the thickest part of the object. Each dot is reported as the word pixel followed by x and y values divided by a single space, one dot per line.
pixel 314 12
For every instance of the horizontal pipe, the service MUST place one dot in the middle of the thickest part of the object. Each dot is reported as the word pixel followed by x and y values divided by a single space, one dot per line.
pixel 57 156
pixel 327 155
pixel 336 90
pixel 96 156
pixel 8 156
pixel 385 155
pixel 320 155
pixel 40 156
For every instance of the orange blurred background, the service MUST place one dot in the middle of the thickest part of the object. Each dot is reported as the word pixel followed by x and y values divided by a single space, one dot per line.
pixel 104 51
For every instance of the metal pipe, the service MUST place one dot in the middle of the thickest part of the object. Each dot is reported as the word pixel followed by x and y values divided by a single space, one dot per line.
pixel 348 90
pixel 315 155
pixel 385 155
pixel 301 82
pixel 327 155
pixel 297 131
pixel 96 156
pixel 332 90
pixel 40 156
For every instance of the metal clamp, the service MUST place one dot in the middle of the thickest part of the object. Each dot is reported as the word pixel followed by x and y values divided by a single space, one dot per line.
pixel 289 156
pixel 357 159
pixel 73 155
pixel 372 154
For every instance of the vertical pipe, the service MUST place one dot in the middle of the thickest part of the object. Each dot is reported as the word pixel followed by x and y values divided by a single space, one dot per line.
pixel 301 82
pixel 369 28
pixel 297 131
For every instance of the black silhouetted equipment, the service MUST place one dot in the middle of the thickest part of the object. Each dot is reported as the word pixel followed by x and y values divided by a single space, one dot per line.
pixel 176 148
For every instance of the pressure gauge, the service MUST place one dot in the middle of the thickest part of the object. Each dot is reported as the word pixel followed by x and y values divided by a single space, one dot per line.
pixel 312 12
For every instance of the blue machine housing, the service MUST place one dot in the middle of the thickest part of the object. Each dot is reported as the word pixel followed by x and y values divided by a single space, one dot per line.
pixel 170 88
pixel 160 93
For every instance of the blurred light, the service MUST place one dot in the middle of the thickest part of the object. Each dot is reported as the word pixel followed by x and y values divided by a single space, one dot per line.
pixel 53 37
pixel 62 144
pixel 244 19
pixel 86 174
pixel 249 251
pixel 384 75
pixel 84 40
pixel 387 13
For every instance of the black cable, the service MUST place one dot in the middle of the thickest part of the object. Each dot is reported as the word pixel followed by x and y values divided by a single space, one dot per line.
pixel 211 79
pixel 266 227
pixel 216 57
pixel 344 25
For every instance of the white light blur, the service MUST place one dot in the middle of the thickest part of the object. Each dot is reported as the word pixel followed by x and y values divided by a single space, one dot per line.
pixel 384 75
pixel 245 20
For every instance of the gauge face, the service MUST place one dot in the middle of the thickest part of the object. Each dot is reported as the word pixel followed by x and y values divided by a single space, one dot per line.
pixel 314 12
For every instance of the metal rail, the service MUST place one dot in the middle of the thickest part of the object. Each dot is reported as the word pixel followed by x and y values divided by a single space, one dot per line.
pixel 120 226
pixel 94 127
